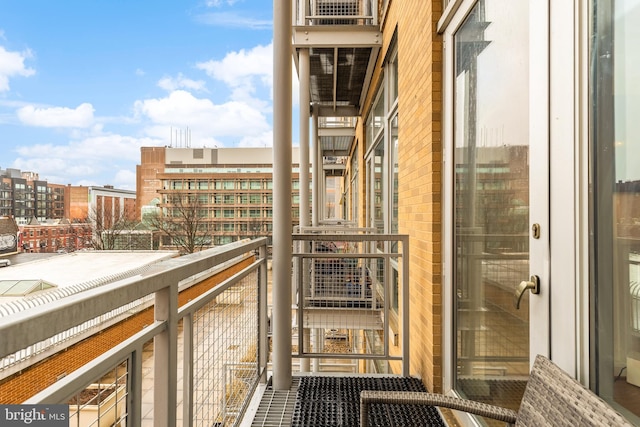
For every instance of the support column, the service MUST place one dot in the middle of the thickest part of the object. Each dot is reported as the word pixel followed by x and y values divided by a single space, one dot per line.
pixel 305 103
pixel 316 161
pixel 282 219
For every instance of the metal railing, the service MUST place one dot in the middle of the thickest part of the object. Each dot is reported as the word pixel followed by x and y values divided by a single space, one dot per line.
pixel 353 287
pixel 335 12
pixel 220 335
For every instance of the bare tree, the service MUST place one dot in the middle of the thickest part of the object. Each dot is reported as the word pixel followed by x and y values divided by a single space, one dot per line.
pixel 255 227
pixel 183 222
pixel 108 226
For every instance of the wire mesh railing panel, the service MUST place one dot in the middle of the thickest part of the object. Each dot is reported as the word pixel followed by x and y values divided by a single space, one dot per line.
pixel 337 12
pixel 349 295
pixel 225 362
pixel 102 403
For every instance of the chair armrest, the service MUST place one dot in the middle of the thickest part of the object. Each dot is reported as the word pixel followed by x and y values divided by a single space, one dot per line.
pixel 368 397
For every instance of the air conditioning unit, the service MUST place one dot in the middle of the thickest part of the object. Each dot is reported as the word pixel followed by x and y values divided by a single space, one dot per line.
pixel 339 8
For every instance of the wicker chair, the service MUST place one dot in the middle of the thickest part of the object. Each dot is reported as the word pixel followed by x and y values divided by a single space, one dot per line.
pixel 551 398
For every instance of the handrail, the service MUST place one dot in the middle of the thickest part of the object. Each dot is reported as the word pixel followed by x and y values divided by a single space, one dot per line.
pixel 39 323
pixel 162 281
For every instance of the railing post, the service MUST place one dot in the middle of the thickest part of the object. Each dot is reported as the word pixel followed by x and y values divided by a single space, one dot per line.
pixel 187 370
pixel 134 384
pixel 405 307
pixel 263 316
pixel 165 358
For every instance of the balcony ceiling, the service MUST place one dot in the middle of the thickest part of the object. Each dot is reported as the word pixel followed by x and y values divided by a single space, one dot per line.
pixel 342 60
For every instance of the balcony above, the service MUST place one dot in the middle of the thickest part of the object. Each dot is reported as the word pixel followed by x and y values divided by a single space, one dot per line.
pixel 344 39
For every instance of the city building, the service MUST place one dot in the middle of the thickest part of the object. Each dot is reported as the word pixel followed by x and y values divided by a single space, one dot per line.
pixel 103 204
pixel 25 197
pixel 231 188
pixel 55 236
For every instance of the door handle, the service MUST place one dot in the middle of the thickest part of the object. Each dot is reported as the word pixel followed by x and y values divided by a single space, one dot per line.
pixel 533 285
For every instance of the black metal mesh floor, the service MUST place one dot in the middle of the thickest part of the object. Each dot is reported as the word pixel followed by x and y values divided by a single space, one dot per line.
pixel 335 401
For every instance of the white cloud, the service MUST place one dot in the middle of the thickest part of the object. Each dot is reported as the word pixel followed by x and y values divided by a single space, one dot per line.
pixel 57 117
pixel 12 65
pixel 181 109
pixel 234 20
pixel 244 71
pixel 140 72
pixel 180 82
pixel 265 139
pixel 218 3
pixel 124 179
pixel 86 161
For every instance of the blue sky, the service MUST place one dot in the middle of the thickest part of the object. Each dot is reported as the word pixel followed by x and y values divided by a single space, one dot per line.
pixel 84 84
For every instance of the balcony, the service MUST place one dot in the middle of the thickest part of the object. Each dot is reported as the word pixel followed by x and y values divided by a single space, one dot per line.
pixel 201 356
pixel 343 39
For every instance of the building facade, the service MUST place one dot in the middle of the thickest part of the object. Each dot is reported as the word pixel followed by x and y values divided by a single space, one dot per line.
pixel 55 236
pixel 500 137
pixel 231 188
pixel 103 204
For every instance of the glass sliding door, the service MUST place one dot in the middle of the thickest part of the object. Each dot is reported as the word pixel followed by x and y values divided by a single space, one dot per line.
pixel 491 201
pixel 615 203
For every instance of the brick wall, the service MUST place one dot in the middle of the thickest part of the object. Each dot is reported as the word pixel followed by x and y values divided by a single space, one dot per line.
pixel 19 387
pixel 420 160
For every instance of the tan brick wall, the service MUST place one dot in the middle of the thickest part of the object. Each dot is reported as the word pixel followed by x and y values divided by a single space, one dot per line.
pixel 420 157
pixel 18 388
pixel 152 162
pixel 78 203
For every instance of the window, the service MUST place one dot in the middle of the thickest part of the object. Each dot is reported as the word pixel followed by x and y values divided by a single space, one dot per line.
pixel 615 211
pixel 224 185
pixel 255 185
pixel 381 166
pixel 254 199
pixel 228 213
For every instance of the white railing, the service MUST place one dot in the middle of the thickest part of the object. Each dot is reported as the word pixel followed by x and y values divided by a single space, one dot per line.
pixel 352 286
pixel 221 336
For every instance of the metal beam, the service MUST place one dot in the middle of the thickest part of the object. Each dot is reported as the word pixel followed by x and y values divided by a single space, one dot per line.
pixel 339 111
pixel 337 36
pixel 337 131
